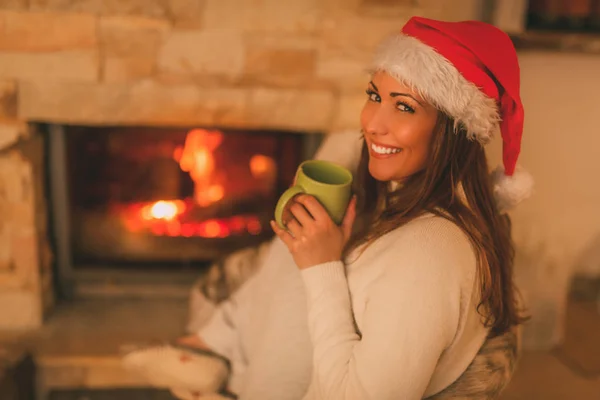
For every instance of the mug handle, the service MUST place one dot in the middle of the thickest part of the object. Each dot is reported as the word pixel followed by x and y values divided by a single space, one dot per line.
pixel 283 201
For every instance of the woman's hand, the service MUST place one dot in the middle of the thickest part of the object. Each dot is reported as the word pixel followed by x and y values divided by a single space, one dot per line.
pixel 312 236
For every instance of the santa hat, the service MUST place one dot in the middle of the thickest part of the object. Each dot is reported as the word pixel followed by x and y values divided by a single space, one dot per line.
pixel 469 70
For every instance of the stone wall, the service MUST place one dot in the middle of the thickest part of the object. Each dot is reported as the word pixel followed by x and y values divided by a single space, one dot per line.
pixel 270 63
pixel 281 64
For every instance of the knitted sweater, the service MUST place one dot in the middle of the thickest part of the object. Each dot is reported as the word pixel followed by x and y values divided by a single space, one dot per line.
pixel 397 322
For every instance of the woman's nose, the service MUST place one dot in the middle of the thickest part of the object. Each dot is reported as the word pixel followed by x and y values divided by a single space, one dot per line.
pixel 376 124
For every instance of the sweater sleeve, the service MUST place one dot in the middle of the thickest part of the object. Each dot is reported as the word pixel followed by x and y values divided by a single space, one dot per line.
pixel 410 317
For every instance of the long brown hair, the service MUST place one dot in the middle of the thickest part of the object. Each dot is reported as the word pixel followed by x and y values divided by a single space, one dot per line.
pixel 455 163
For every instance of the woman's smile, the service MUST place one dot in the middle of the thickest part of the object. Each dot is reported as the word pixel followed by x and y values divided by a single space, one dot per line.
pixel 382 151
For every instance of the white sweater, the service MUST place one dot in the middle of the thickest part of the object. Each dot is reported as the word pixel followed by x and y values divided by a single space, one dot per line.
pixel 399 322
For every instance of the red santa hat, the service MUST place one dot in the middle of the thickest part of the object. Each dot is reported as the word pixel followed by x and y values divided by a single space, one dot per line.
pixel 470 71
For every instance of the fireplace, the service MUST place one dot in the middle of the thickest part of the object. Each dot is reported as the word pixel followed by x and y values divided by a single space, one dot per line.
pixel 166 199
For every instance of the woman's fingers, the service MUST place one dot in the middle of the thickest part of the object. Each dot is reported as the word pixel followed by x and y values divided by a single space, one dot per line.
pixel 284 235
pixel 300 213
pixel 313 206
pixel 294 228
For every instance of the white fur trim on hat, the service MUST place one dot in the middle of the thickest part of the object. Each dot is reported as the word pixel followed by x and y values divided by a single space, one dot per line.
pixel 511 190
pixel 434 77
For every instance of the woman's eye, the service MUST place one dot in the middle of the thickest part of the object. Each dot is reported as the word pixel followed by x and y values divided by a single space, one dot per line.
pixel 373 96
pixel 405 107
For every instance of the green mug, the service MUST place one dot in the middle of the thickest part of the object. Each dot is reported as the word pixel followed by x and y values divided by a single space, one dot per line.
pixel 328 182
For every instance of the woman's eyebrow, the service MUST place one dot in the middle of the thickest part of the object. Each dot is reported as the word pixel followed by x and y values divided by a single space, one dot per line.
pixel 395 94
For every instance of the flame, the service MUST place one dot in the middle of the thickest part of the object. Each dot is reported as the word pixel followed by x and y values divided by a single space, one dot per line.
pixel 166 210
pixel 214 193
pixel 196 158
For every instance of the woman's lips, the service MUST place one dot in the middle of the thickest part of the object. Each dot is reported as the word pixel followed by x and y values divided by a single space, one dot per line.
pixel 381 151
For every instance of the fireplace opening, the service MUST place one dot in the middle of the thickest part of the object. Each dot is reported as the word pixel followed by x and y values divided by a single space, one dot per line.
pixel 167 198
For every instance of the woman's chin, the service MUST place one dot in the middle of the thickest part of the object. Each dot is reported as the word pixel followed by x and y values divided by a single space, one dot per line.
pixel 380 174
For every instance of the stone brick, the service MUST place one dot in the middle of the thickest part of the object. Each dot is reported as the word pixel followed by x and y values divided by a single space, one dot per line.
pixel 291 109
pixel 270 16
pixel 141 103
pixel 25 257
pixel 77 65
pixel 354 35
pixel 186 14
pixel 149 8
pixel 338 6
pixel 130 47
pixel 8 101
pixel 10 131
pixel 390 9
pixel 387 3
pixel 348 111
pixel 131 36
pixel 15 4
pixel 202 52
pixel 127 69
pixel 15 180
pixel 347 73
pixel 276 40
pixel 282 62
pixel 33 31
pixel 21 310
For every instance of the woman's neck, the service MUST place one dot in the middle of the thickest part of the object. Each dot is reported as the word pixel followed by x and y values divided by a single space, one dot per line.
pixel 394 185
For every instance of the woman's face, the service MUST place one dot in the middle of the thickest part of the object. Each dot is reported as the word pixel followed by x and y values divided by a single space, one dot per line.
pixel 398 128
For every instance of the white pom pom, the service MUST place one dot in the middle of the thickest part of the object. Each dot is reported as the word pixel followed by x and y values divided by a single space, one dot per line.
pixel 511 190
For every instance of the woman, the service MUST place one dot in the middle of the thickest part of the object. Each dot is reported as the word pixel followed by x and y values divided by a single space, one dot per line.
pixel 402 295
pixel 428 270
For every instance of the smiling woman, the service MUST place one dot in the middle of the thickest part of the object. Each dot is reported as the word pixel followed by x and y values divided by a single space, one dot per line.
pixel 428 263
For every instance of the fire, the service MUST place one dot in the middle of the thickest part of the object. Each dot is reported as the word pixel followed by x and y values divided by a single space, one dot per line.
pixel 166 210
pixel 214 193
pixel 196 158
pixel 173 218
pixel 176 218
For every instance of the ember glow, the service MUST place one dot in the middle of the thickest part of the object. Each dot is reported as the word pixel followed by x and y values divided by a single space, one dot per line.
pixel 173 218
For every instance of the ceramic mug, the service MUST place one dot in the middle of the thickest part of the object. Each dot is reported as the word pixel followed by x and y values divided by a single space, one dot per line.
pixel 328 182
